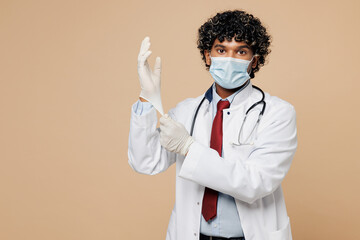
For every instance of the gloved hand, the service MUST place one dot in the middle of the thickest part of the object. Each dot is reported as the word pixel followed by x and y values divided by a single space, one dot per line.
pixel 173 136
pixel 149 81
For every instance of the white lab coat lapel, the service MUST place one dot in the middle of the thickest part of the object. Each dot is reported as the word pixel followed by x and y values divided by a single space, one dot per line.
pixel 203 124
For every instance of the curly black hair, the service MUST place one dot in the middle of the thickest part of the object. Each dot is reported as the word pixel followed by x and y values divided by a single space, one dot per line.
pixel 239 24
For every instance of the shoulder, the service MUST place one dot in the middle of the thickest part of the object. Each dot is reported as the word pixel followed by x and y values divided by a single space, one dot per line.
pixel 276 102
pixel 188 103
pixel 278 109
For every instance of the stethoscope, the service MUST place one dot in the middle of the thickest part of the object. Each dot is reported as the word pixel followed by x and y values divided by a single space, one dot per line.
pixel 261 113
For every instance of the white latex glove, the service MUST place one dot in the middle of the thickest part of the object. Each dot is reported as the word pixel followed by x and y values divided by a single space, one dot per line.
pixel 173 136
pixel 149 81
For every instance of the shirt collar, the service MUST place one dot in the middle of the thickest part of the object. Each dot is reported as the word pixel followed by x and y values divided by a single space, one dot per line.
pixel 234 98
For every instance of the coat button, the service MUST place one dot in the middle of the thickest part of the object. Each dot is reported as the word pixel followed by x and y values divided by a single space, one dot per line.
pixel 198 203
pixel 228 113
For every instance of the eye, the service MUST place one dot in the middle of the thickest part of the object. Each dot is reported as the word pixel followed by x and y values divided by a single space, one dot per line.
pixel 242 52
pixel 220 51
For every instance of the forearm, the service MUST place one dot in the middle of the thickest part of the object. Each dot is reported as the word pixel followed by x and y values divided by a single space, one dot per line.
pixel 146 155
pixel 243 181
pixel 246 177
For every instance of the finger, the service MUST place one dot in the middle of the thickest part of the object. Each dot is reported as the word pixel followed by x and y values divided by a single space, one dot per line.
pixel 144 57
pixel 142 47
pixel 164 120
pixel 157 66
pixel 145 44
pixel 144 51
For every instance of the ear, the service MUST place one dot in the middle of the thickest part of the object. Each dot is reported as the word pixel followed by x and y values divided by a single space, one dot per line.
pixel 207 57
pixel 254 63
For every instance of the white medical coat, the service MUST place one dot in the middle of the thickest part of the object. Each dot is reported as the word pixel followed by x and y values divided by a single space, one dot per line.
pixel 251 173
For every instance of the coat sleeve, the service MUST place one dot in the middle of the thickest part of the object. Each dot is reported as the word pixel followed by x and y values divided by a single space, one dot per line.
pixel 255 177
pixel 145 153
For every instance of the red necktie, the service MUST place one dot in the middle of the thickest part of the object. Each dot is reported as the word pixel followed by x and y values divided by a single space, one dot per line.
pixel 210 195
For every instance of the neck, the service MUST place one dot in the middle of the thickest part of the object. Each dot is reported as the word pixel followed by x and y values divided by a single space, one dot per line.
pixel 223 92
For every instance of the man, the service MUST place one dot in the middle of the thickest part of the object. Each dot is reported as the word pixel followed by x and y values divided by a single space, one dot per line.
pixel 232 146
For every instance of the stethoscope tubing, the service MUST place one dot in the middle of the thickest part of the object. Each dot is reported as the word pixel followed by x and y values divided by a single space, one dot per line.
pixel 250 108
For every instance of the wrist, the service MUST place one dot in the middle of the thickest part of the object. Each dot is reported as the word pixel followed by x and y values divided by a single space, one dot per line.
pixel 186 147
pixel 143 99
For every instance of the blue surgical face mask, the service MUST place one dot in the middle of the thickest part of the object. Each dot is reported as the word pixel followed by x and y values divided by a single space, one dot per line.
pixel 229 72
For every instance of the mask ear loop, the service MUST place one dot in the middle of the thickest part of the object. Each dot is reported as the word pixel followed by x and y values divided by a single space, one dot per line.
pixel 250 63
pixel 210 56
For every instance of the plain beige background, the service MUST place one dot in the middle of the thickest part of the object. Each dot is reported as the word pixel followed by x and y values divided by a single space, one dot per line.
pixel 68 79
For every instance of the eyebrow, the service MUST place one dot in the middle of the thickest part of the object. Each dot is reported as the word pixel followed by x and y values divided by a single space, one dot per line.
pixel 240 47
